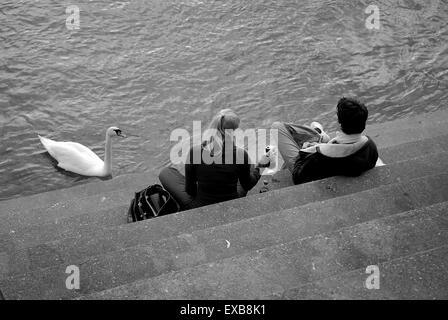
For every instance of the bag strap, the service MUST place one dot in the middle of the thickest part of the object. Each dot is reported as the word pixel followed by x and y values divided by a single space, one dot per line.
pixel 153 201
pixel 156 188
pixel 160 192
pixel 146 195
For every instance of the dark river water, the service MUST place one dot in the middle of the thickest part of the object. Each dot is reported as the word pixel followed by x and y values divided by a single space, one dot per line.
pixel 150 66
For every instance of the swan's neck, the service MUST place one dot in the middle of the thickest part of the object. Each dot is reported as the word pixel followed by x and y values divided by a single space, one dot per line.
pixel 108 156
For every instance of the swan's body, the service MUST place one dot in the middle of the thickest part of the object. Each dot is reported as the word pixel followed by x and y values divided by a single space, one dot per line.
pixel 75 157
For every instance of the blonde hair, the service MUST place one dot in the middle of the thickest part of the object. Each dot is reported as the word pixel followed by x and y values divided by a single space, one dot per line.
pixel 219 131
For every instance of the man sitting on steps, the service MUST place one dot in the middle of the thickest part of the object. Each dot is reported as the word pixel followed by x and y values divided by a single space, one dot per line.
pixel 310 154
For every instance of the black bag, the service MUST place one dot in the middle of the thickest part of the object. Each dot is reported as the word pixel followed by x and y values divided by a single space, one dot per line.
pixel 154 201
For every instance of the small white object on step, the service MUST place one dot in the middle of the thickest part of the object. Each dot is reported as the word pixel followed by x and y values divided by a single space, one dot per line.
pixel 379 163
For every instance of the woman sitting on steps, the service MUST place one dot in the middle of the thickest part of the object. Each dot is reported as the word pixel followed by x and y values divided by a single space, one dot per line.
pixel 206 183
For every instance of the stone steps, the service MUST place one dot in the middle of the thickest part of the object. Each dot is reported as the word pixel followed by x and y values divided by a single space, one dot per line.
pixel 60 196
pixel 105 238
pixel 419 276
pixel 63 218
pixel 66 209
pixel 412 128
pixel 154 258
pixel 273 272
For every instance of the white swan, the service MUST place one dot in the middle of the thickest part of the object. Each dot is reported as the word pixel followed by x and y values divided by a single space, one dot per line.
pixel 75 157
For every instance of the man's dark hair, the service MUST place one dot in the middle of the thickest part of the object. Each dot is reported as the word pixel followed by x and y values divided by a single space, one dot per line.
pixel 352 115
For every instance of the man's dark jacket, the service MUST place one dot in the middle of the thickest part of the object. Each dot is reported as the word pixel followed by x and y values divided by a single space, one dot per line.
pixel 315 166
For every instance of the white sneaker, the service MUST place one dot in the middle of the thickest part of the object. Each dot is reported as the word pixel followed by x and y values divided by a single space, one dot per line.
pixel 324 137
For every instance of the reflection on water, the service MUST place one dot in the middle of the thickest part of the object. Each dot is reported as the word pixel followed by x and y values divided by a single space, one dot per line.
pixel 152 66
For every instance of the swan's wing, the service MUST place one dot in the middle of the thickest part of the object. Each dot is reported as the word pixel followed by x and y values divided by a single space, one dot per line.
pixel 77 159
pixel 83 149
pixel 73 156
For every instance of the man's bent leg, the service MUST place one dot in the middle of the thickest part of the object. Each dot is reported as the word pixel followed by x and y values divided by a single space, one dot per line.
pixel 290 143
pixel 286 145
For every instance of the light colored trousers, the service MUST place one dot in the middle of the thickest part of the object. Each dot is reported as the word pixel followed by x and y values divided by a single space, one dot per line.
pixel 290 140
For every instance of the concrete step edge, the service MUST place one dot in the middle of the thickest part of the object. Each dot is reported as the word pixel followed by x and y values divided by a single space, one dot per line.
pixel 174 274
pixel 286 294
